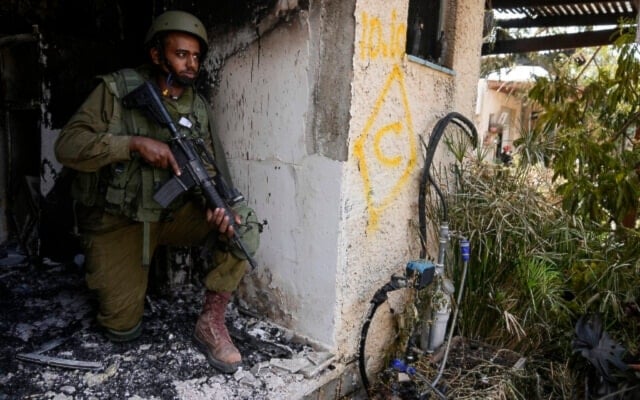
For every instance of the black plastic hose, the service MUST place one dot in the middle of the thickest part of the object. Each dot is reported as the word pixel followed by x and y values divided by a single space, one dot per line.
pixel 378 298
pixel 430 150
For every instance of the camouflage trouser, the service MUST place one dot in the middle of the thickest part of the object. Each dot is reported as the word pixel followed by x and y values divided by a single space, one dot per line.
pixel 113 251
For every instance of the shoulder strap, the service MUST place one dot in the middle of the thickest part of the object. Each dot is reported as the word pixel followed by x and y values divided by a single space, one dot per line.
pixel 123 81
pixel 132 79
pixel 120 83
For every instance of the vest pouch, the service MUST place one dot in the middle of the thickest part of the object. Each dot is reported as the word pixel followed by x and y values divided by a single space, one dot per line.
pixel 123 188
pixel 85 188
pixel 152 178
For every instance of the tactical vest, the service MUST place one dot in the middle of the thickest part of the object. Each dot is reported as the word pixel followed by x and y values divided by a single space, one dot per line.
pixel 127 188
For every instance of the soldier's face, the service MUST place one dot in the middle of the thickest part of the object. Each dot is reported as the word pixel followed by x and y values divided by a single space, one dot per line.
pixel 182 55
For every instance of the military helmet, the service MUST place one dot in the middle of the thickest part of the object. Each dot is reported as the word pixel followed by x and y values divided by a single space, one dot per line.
pixel 177 21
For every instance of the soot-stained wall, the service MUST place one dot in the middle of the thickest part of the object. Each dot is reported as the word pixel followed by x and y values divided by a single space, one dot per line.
pixel 85 38
pixel 50 54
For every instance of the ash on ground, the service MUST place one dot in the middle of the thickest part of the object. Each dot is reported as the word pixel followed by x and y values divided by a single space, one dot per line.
pixel 48 318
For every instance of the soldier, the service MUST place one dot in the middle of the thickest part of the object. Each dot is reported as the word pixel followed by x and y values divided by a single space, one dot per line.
pixel 121 157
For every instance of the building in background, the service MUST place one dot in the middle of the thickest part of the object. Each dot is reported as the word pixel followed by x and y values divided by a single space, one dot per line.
pixel 503 110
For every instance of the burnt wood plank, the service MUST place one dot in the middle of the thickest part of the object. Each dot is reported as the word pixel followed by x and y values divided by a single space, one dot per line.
pixel 506 4
pixel 553 42
pixel 565 20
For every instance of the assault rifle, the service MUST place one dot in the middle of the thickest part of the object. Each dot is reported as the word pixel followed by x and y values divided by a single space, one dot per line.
pixel 217 192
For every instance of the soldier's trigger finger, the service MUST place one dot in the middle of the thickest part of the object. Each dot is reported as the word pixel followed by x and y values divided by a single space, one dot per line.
pixel 174 164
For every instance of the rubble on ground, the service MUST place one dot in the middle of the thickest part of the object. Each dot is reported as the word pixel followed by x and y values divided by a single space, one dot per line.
pixel 52 348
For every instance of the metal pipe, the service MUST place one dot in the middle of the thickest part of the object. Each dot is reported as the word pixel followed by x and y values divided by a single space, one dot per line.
pixel 18 39
pixel 465 252
pixel 442 247
pixel 440 305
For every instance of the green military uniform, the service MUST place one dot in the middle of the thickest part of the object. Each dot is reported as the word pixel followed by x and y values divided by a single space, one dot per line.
pixel 120 222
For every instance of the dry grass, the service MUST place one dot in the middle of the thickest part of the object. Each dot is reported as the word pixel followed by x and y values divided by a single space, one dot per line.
pixel 475 370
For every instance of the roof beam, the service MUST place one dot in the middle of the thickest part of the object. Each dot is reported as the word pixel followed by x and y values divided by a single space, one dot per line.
pixel 564 20
pixel 500 4
pixel 553 42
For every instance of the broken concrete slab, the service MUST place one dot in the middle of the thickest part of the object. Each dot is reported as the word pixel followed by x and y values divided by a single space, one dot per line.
pixel 314 369
pixel 290 365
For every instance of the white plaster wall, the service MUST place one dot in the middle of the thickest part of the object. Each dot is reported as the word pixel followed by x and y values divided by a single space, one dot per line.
pixel 481 117
pixel 381 180
pixel 467 49
pixel 260 110
pixel 337 231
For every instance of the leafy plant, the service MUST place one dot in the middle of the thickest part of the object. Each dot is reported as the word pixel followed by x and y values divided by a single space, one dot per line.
pixel 515 288
pixel 591 116
pixel 535 268
pixel 554 237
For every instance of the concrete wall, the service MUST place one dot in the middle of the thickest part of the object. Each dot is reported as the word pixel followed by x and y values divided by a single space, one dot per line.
pixel 394 101
pixel 4 198
pixel 340 198
pixel 262 107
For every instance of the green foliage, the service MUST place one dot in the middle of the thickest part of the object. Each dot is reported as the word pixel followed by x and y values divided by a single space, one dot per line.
pixel 534 147
pixel 534 266
pixel 520 241
pixel 588 134
pixel 548 236
pixel 587 130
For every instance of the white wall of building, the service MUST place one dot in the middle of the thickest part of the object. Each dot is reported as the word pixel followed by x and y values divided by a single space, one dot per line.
pixel 394 101
pixel 260 111
pixel 505 91
pixel 337 230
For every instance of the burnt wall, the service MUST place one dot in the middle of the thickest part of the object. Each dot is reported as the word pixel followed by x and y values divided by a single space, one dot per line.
pixel 85 38
pixel 80 40
pixel 50 53
pixel 334 40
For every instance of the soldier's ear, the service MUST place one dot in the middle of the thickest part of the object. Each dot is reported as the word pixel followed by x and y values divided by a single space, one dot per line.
pixel 155 55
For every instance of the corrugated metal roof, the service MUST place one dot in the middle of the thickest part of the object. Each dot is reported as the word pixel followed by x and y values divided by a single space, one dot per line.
pixel 564 8
pixel 525 14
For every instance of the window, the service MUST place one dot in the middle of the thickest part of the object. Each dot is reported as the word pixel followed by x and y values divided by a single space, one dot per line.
pixel 426 30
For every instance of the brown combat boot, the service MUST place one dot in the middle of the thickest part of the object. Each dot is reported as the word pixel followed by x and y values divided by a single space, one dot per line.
pixel 211 335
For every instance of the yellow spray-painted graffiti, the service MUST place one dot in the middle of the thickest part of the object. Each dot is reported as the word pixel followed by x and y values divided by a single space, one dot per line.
pixel 396 128
pixel 386 149
pixel 374 44
pixel 371 154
